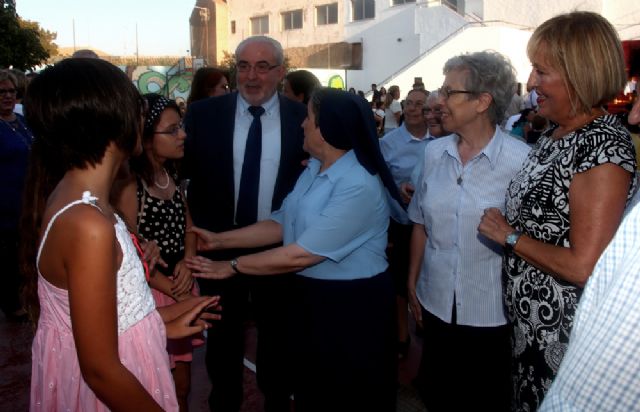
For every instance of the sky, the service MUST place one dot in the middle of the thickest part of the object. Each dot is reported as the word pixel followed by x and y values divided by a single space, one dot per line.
pixel 110 25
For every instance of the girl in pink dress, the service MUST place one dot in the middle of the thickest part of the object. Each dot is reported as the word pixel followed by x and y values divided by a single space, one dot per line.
pixel 99 343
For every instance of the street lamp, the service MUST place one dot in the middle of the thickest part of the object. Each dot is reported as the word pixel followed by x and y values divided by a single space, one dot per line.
pixel 204 16
pixel 345 67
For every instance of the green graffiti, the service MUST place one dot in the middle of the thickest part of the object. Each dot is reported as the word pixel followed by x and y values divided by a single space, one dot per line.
pixel 151 80
pixel 180 86
pixel 336 82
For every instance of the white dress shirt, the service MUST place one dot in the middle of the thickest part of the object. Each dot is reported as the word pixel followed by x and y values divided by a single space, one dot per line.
pixel 270 157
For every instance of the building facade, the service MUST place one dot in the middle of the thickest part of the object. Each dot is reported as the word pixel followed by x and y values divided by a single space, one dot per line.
pixel 392 41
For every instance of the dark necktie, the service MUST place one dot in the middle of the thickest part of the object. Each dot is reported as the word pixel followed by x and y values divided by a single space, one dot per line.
pixel 247 209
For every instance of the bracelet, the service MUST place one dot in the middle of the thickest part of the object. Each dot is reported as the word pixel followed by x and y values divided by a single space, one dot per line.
pixel 234 265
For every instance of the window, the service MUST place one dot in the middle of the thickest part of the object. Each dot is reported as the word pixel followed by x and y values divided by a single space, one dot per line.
pixel 292 20
pixel 363 9
pixel 233 27
pixel 327 14
pixel 259 25
pixel 396 2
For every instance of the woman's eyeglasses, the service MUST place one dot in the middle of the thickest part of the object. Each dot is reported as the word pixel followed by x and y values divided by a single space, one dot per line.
pixel 7 91
pixel 174 131
pixel 446 92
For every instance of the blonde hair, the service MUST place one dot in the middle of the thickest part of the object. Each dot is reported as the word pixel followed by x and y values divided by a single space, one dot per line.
pixel 586 49
pixel 389 96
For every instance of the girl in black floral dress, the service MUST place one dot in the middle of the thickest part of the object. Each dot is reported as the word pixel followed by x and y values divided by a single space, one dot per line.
pixel 153 203
pixel 566 203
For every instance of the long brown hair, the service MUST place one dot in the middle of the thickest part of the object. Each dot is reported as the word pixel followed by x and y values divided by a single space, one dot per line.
pixel 75 109
pixel 205 80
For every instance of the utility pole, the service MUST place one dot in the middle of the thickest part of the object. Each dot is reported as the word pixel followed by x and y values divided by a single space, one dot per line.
pixel 73 25
pixel 137 54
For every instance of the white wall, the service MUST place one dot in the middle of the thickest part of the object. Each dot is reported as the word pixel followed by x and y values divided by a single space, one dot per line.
pixel 435 24
pixel 404 34
pixel 531 13
pixel 510 42
pixel 625 17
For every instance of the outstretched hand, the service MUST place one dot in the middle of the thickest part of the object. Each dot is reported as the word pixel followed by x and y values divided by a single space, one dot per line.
pixel 205 239
pixel 194 320
pixel 201 267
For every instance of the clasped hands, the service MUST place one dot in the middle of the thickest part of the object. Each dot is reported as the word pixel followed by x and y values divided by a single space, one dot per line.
pixel 494 226
pixel 202 267
pixel 182 281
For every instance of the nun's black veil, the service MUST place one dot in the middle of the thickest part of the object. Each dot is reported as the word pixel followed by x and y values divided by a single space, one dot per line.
pixel 346 122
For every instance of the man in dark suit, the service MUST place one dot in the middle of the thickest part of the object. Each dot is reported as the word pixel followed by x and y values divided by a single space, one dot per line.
pixel 228 138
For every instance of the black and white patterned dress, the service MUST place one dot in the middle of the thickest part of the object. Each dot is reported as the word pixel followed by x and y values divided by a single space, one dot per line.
pixel 541 308
pixel 165 222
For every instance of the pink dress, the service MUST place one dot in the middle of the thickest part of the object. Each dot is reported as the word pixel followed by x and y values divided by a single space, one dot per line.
pixel 56 381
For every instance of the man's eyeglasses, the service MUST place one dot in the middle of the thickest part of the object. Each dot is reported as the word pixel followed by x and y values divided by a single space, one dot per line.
pixel 260 67
pixel 7 91
pixel 446 92
pixel 174 131
pixel 435 112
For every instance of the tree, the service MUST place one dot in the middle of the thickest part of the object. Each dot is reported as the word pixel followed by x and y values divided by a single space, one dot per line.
pixel 24 43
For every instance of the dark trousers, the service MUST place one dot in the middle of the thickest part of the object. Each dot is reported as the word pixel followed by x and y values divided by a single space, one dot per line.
pixel 345 345
pixel 225 341
pixel 11 277
pixel 471 362
pixel 398 252
pixel 271 302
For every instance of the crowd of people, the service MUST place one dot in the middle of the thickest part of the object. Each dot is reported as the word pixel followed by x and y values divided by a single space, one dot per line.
pixel 505 225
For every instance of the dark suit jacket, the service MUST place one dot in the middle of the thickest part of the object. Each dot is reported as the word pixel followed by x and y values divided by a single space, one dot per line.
pixel 208 161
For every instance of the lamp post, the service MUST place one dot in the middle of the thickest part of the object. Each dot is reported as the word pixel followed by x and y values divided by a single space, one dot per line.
pixel 345 67
pixel 204 16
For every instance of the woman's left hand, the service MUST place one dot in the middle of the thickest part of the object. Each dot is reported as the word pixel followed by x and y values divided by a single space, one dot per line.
pixel 494 226
pixel 151 254
pixel 182 280
pixel 201 267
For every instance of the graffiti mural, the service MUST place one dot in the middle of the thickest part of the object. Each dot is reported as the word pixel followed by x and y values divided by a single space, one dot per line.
pixel 164 80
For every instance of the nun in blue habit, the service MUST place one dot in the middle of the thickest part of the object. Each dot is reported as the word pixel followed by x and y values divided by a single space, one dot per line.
pixel 333 233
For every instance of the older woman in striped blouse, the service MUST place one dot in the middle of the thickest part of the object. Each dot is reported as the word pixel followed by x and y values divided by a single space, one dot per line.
pixel 455 287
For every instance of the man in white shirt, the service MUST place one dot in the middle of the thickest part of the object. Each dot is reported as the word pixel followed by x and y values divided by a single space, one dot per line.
pixel 243 155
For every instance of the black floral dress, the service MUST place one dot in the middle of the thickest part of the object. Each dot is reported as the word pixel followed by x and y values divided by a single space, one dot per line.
pixel 541 308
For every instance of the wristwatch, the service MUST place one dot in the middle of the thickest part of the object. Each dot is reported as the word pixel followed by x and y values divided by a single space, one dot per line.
pixel 511 240
pixel 234 265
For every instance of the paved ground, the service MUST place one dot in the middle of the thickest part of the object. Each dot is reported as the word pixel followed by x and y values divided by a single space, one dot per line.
pixel 15 370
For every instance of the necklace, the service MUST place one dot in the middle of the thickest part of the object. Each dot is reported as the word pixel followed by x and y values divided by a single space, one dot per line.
pixel 13 124
pixel 166 185
pixel 16 124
